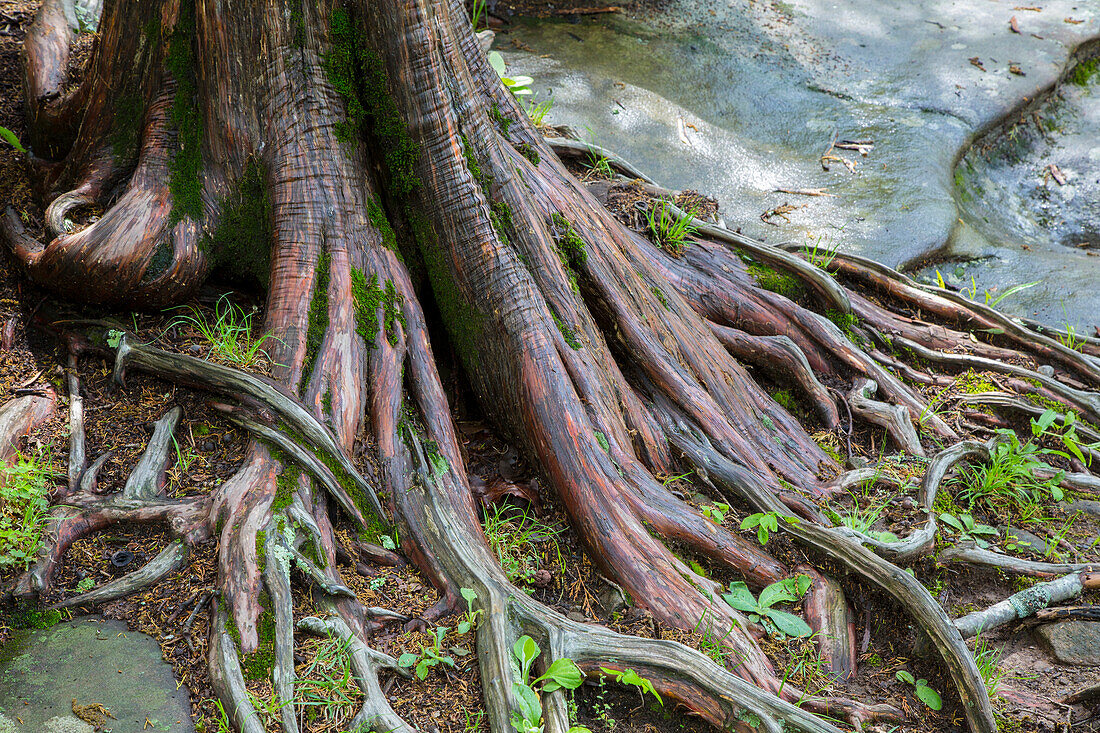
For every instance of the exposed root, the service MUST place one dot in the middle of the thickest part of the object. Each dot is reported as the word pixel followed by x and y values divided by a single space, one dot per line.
pixel 1026 602
pixel 167 561
pixel 894 418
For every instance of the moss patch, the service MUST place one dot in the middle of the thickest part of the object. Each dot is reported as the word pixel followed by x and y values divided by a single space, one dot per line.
pixel 1084 72
pixel 972 382
pixel 318 312
pixel 240 246
pixel 381 223
pixel 777 282
pixel 369 297
pixel 185 169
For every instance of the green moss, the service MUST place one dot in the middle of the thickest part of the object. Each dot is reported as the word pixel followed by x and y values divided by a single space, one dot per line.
pixel 502 120
pixel 184 179
pixel 570 247
pixel 369 297
pixel 400 153
pixel 261 548
pixel 1085 71
pixel 846 322
pixel 567 332
pixel 528 151
pixel 240 246
pixel 785 399
pixel 660 296
pixel 260 664
pixel 971 382
pixel 378 219
pixel 778 282
pixel 286 483
pixel 33 618
pixel 318 312
pixel 500 215
pixel 602 440
pixel 297 21
pixel 126 126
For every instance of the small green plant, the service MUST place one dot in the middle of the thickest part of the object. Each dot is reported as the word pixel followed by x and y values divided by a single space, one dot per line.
pixel 326 689
pixel 477 13
pixel 469 620
pixel 760 609
pixel 820 253
pixel 599 165
pixel 990 300
pixel 519 86
pixel 765 523
pixel 1009 478
pixel 630 677
pixel 924 693
pixel 709 642
pixel 537 112
pixel 563 673
pixel 716 512
pixel 24 508
pixel 1071 339
pixel 516 536
pixel 669 230
pixel 229 333
pixel 85 585
pixel 1045 426
pixel 430 656
pixel 988 660
pixel 9 137
pixel 862 519
pixel 967 529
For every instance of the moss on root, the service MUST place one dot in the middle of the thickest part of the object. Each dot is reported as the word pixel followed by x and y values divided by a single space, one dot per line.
pixel 369 296
pixel 777 282
pixel 318 312
pixel 185 169
pixel 240 246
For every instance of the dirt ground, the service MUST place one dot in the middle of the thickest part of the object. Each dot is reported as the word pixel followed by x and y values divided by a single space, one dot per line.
pixel 537 546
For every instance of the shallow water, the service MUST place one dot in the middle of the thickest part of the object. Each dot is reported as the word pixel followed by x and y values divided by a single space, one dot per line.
pixel 744 101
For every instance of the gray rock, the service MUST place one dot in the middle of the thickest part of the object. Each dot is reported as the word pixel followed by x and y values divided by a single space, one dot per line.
pixel 1072 642
pixel 90 660
pixel 1082 505
pixel 1046 370
pixel 1026 542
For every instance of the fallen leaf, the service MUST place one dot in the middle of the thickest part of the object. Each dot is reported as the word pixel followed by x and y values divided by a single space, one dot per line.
pixel 1013 25
pixel 1014 69
pixel 1057 174
pixel 1074 21
pixel 491 491
pixel 1028 7
pixel 974 60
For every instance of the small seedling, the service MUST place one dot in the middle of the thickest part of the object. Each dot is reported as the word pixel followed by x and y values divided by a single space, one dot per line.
pixel 630 677
pixel 765 523
pixel 469 620
pixel 668 229
pixel 9 137
pixel 429 656
pixel 716 512
pixel 518 85
pixel 968 529
pixel 760 609
pixel 563 673
pixel 924 693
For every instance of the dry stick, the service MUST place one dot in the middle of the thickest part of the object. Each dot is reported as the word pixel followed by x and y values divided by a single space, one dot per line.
pixel 376 713
pixel 974 555
pixel 1026 602
pixel 171 558
pixel 831 293
pixel 894 418
pixel 77 458
pixel 906 589
pixel 234 383
pixel 185 630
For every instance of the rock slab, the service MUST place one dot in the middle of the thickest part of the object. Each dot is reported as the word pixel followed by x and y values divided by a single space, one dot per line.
pixel 90 660
pixel 1073 642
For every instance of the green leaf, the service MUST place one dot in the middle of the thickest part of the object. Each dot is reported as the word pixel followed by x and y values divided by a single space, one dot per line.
pixel 422 669
pixel 463 627
pixel 740 597
pixel 904 676
pixel 788 623
pixel 928 696
pixel 751 521
pixel 563 672
pixel 779 592
pixel 470 595
pixel 529 706
pixel 12 140
pixel 407 660
pixel 497 62
pixel 579 729
pixel 951 521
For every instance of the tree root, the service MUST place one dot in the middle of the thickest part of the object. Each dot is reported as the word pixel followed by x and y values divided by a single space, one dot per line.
pixel 168 561
pixel 1026 602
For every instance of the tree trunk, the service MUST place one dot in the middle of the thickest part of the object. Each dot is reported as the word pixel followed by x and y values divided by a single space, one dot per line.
pixel 326 150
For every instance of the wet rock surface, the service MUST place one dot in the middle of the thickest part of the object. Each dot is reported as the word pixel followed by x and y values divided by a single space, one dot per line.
pixel 48 674
pixel 1072 642
pixel 743 101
